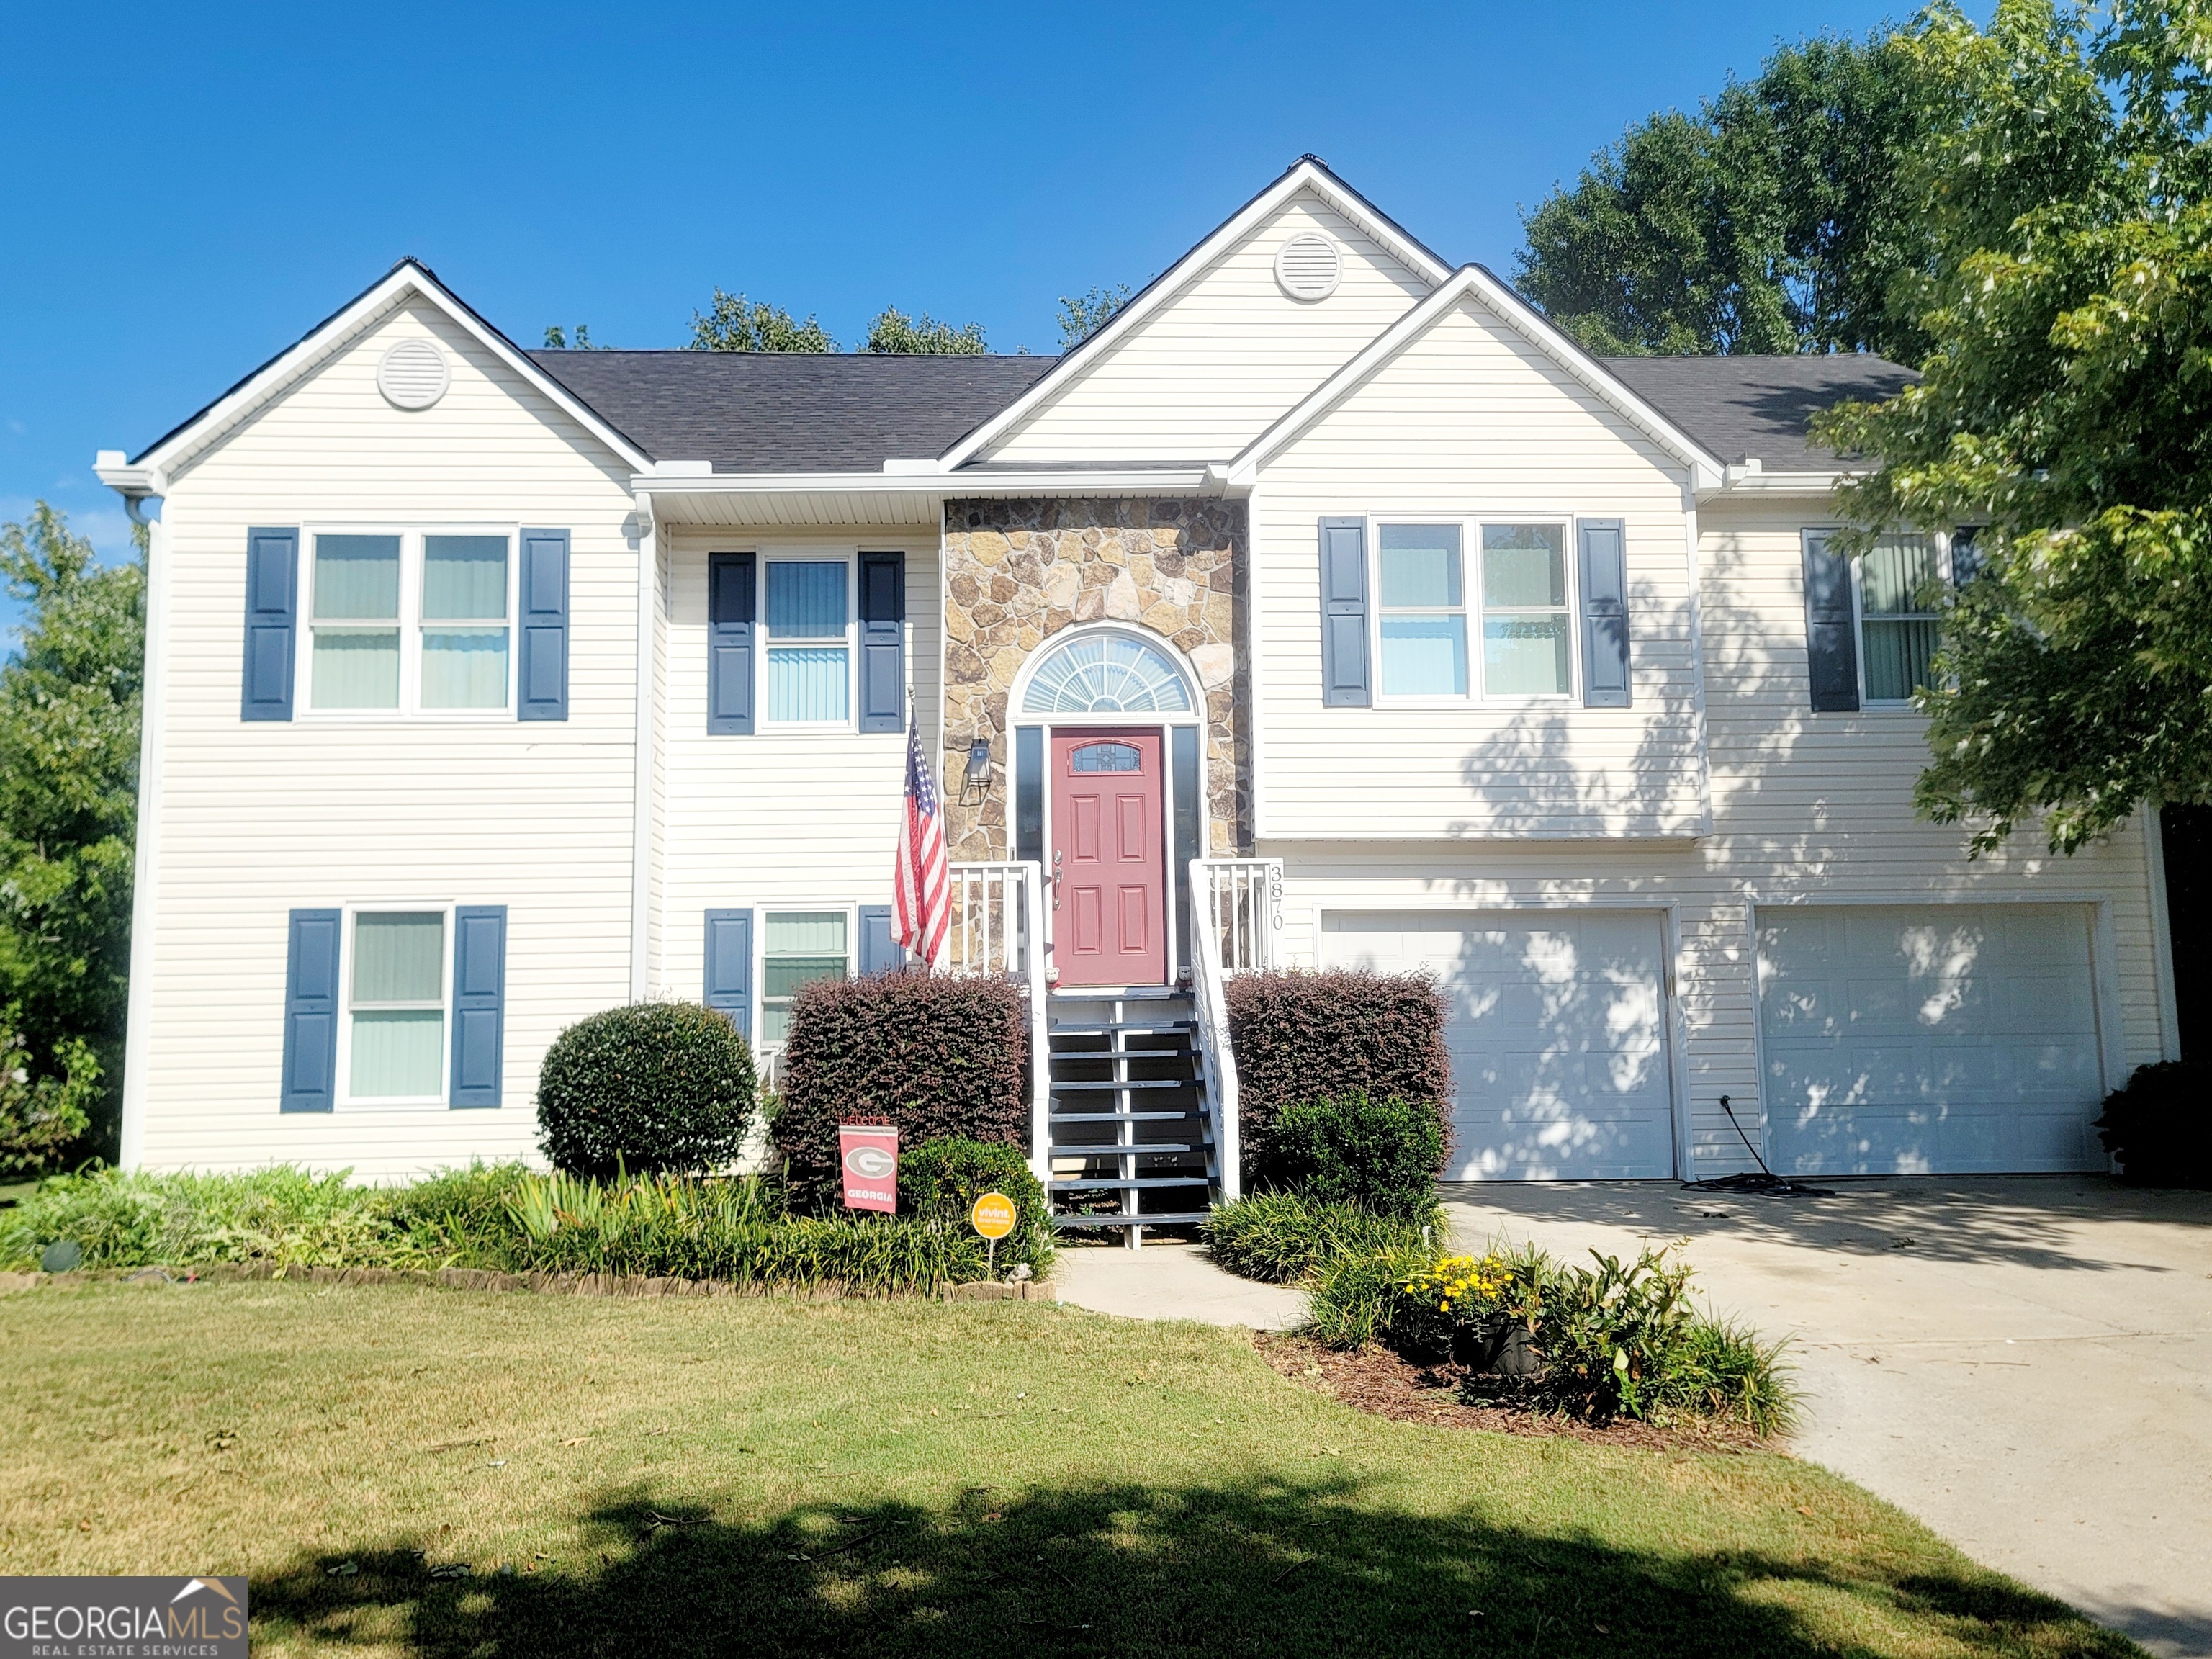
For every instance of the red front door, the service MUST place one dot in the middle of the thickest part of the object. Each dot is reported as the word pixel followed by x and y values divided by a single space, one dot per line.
pixel 1110 921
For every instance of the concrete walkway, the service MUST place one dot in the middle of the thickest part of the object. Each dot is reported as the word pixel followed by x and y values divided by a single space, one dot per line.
pixel 2025 1364
pixel 1169 1280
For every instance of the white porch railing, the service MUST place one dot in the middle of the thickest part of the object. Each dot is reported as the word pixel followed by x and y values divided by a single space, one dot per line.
pixel 1238 930
pixel 1242 901
pixel 998 927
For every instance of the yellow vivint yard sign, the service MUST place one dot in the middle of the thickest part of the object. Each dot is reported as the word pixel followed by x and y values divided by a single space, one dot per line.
pixel 994 1216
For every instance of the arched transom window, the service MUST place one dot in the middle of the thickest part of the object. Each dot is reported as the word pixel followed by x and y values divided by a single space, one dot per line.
pixel 1106 674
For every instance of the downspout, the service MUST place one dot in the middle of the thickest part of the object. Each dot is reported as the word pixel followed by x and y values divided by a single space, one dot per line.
pixel 138 1035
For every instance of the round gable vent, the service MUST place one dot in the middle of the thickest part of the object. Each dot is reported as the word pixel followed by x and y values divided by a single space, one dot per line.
pixel 414 374
pixel 1308 266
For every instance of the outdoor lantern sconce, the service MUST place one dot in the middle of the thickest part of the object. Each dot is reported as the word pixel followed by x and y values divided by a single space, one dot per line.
pixel 976 782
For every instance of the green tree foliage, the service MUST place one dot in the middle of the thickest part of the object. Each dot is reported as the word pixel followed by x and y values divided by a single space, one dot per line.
pixel 893 333
pixel 2064 408
pixel 558 340
pixel 735 322
pixel 69 774
pixel 1082 315
pixel 1770 221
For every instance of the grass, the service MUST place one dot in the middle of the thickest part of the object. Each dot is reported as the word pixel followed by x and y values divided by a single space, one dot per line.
pixel 897 1478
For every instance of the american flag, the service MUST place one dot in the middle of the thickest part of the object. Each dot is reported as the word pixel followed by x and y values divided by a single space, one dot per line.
pixel 922 884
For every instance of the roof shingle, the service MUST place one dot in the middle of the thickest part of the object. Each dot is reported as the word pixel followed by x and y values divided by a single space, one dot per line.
pixel 1758 407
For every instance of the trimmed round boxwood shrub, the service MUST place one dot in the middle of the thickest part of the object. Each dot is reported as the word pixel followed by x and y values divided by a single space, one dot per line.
pixel 1303 1036
pixel 940 1180
pixel 1382 1155
pixel 655 1085
pixel 2158 1127
pixel 935 1054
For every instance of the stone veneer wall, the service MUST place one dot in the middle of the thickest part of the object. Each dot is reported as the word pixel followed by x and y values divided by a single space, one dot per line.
pixel 1017 572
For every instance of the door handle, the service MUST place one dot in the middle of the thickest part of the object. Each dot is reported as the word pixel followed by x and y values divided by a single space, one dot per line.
pixel 1056 878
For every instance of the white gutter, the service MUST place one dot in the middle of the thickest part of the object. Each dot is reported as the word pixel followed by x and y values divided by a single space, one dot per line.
pixel 138 1029
pixel 676 479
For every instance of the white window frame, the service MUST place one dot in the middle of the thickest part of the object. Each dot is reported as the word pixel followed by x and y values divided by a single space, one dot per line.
pixel 1867 703
pixel 343 1083
pixel 851 910
pixel 850 558
pixel 1473 598
pixel 409 623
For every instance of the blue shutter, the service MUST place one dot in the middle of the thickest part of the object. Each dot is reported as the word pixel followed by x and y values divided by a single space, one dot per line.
pixel 1831 655
pixel 1605 614
pixel 311 1010
pixel 1344 613
pixel 272 583
pixel 733 602
pixel 883 642
pixel 729 978
pixel 479 1003
pixel 880 952
pixel 544 668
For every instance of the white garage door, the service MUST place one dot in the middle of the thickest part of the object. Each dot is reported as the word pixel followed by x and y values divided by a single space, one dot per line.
pixel 1944 1039
pixel 1557 1034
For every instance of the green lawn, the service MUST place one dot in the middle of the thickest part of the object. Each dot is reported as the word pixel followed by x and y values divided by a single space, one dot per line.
pixel 897 1478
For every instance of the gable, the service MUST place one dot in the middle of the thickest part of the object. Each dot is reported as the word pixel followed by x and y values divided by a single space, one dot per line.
pixel 1470 404
pixel 1224 357
pixel 329 430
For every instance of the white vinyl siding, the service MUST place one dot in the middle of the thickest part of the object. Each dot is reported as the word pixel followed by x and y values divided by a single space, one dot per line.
pixel 374 810
pixel 1470 425
pixel 734 837
pixel 1222 360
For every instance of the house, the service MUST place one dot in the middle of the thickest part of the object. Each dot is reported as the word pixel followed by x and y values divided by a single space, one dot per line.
pixel 1326 607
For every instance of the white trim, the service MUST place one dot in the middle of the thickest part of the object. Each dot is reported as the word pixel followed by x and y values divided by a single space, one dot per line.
pixel 1305 174
pixel 641 848
pixel 405 279
pixel 409 622
pixel 1696 661
pixel 2153 828
pixel 342 1095
pixel 1474 284
pixel 152 728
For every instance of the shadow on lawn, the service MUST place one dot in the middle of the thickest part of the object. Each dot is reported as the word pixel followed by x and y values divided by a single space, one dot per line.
pixel 1270 1568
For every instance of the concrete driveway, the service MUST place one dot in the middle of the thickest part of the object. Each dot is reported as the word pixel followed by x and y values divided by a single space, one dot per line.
pixel 2026 1364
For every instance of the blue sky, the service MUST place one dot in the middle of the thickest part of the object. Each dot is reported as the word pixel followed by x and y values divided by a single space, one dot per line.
pixel 188 188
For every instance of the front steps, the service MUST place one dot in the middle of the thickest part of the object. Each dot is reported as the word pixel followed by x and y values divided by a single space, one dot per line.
pixel 1132 1135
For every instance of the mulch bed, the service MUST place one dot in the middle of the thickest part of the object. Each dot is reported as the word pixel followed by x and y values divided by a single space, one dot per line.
pixel 1374 1379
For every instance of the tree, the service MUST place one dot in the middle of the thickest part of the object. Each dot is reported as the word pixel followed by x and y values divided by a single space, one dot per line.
pixel 558 341
pixel 733 323
pixel 68 770
pixel 1771 220
pixel 893 333
pixel 1082 315
pixel 2063 410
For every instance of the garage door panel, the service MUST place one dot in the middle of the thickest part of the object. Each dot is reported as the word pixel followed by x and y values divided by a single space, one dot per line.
pixel 1555 1025
pixel 1968 1042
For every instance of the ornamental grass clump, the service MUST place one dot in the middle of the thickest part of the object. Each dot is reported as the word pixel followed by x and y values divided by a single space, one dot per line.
pixel 1281 1238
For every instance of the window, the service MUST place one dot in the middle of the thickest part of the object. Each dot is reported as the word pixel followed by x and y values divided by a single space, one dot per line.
pixel 1900 587
pixel 1106 757
pixel 799 946
pixel 1526 638
pixel 465 622
pixel 1424 611
pixel 396 1006
pixel 355 619
pixel 409 622
pixel 1105 674
pixel 810 669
